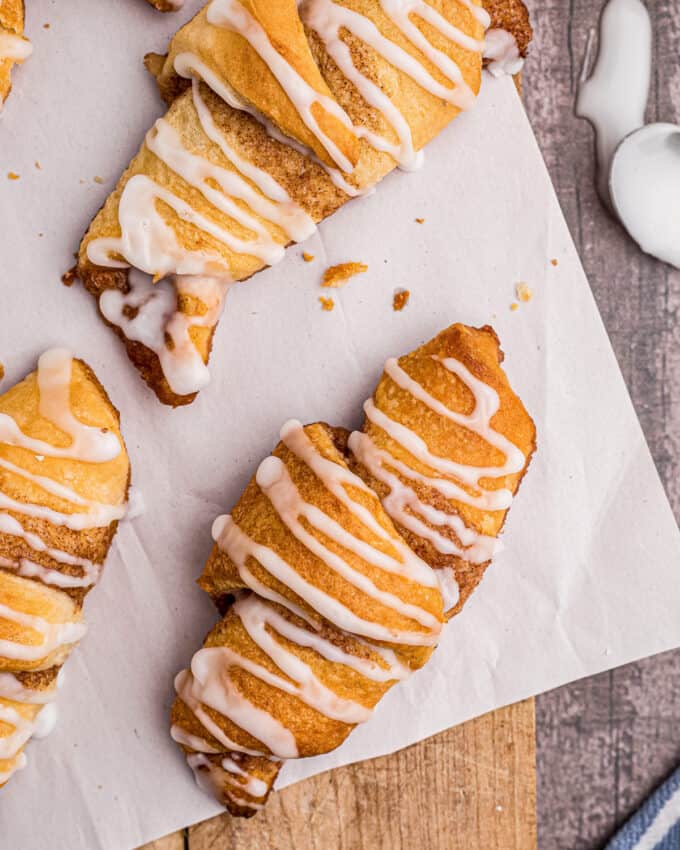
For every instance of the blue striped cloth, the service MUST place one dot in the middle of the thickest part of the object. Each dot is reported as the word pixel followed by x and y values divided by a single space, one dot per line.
pixel 657 825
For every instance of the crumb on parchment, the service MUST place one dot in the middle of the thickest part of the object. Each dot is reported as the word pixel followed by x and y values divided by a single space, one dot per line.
pixel 38 165
pixel 70 277
pixel 307 257
pixel 524 292
pixel 98 179
pixel 337 276
pixel 514 306
pixel 420 221
pixel 12 175
pixel 553 262
pixel 400 300
pixel 327 304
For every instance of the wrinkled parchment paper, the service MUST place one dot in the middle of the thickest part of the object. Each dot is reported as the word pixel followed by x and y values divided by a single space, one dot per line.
pixel 589 576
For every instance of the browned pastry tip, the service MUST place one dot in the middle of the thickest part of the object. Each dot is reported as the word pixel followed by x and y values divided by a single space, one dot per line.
pixel 513 16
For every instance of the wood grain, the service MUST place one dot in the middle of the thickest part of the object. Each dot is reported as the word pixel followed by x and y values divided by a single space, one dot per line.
pixel 469 788
pixel 605 742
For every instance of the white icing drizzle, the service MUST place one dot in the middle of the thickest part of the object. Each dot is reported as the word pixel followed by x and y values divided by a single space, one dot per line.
pixel 53 635
pixel 251 784
pixel 211 778
pixel 189 66
pixel 38 726
pixel 10 525
pixel 449 587
pixel 29 569
pixel 231 15
pixel 336 479
pixel 148 243
pixel 87 444
pixel 500 46
pixel 402 502
pixel 13 689
pixel 209 683
pixel 328 18
pixel 276 206
pixel 195 742
pixel 239 546
pixel 148 313
pixel 275 482
pixel 614 95
pixel 14 47
pixel 18 764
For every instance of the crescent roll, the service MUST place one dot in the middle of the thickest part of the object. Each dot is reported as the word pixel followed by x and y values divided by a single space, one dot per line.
pixel 278 114
pixel 14 48
pixel 326 609
pixel 342 558
pixel 64 476
pixel 445 444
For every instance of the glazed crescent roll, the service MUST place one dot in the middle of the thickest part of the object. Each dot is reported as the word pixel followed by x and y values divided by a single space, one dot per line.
pixel 326 609
pixel 338 563
pixel 64 476
pixel 445 444
pixel 279 113
pixel 14 48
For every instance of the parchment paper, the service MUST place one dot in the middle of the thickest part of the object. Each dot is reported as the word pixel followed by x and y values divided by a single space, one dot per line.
pixel 589 576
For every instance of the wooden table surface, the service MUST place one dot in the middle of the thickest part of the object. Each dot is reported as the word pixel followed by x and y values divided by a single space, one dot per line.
pixel 602 743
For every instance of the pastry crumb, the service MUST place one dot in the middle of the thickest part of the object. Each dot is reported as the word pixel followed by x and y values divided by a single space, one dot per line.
pixel 327 304
pixel 524 292
pixel 337 276
pixel 70 277
pixel 420 221
pixel 553 262
pixel 46 26
pixel 38 165
pixel 307 257
pixel 400 300
pixel 12 175
pixel 98 179
pixel 514 306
